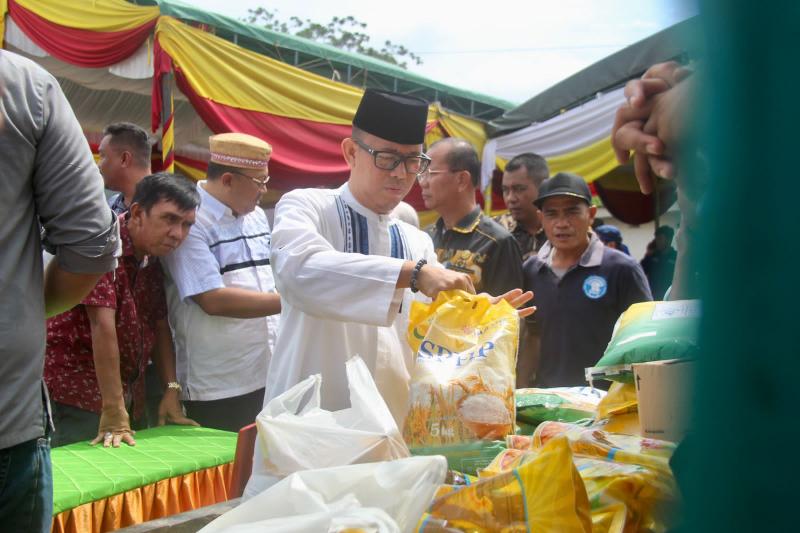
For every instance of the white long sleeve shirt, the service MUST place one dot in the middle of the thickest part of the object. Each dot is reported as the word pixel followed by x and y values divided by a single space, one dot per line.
pixel 336 264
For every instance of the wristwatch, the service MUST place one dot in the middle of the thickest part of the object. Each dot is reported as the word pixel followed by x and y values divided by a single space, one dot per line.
pixel 174 385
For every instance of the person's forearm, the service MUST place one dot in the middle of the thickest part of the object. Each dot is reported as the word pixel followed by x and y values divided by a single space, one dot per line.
pixel 404 279
pixel 233 302
pixel 164 353
pixel 64 290
pixel 106 364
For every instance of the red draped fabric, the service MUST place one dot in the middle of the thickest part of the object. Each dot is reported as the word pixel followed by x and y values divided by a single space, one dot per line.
pixel 631 206
pixel 306 153
pixel 82 48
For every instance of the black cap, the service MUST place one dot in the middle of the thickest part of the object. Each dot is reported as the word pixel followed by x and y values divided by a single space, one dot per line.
pixel 394 117
pixel 564 184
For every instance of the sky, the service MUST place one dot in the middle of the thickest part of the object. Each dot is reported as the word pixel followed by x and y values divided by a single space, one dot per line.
pixel 508 49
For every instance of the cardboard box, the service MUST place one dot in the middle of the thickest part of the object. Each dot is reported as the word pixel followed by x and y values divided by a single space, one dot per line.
pixel 664 390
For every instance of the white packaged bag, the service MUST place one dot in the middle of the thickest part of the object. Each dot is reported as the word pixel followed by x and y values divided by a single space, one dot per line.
pixel 293 437
pixel 385 497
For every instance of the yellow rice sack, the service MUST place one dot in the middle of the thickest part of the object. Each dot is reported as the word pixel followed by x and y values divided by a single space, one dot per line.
pixel 544 494
pixel 618 412
pixel 462 382
pixel 625 498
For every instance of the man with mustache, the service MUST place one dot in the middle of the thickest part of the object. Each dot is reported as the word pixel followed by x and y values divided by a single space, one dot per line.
pixel 581 286
pixel 522 178
pixel 97 351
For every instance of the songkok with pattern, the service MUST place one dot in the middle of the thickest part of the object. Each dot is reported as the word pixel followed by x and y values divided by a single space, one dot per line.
pixel 239 150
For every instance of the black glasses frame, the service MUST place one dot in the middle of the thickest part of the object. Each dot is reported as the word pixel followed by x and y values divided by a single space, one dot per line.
pixel 425 161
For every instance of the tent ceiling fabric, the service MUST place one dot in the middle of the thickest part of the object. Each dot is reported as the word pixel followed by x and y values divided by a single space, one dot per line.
pixel 99 99
pixel 97 108
pixel 606 74
pixel 131 74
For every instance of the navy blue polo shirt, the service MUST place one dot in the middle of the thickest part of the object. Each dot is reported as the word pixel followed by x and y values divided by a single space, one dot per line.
pixel 576 314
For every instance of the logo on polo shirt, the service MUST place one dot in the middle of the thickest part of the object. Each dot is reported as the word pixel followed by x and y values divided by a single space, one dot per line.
pixel 595 287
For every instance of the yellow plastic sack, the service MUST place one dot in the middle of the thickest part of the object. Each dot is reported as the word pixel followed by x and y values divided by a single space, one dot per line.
pixel 625 498
pixel 618 411
pixel 545 494
pixel 592 442
pixel 462 383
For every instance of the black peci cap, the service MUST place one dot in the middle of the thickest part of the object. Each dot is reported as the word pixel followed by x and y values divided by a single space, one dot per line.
pixel 564 184
pixel 394 117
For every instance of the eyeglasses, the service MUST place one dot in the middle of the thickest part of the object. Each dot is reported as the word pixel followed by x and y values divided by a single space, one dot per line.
pixel 260 182
pixel 425 176
pixel 384 160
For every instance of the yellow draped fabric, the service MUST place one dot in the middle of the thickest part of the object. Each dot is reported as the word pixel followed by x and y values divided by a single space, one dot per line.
pixel 590 162
pixel 231 75
pixel 189 171
pixel 3 11
pixel 459 126
pixel 94 15
pixel 157 500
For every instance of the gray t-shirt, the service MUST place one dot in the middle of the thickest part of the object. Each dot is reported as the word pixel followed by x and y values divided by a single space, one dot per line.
pixel 48 179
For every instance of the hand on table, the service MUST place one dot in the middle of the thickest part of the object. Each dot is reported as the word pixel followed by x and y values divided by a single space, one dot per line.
pixel 115 427
pixel 170 410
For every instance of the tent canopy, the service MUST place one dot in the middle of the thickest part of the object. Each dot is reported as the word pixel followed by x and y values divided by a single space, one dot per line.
pixel 333 63
pixel 570 124
pixel 603 76
pixel 190 74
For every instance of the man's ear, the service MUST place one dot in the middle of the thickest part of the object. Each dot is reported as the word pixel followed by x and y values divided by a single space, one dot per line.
pixel 349 151
pixel 226 179
pixel 464 180
pixel 126 158
pixel 136 214
pixel 592 212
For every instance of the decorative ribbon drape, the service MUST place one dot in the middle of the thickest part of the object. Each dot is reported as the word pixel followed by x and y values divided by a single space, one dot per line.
pixel 233 76
pixel 84 33
pixel 303 115
pixel 3 10
pixel 575 141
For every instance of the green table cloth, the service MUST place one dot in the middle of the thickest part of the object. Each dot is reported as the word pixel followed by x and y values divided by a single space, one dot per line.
pixel 84 473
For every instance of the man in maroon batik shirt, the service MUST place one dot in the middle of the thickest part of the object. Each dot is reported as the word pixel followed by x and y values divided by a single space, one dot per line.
pixel 97 351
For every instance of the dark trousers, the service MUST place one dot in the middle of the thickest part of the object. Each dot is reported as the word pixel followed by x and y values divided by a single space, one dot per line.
pixel 75 425
pixel 26 487
pixel 230 414
pixel 154 391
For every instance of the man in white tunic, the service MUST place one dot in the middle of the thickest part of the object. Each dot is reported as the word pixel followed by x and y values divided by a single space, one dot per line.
pixel 221 294
pixel 343 264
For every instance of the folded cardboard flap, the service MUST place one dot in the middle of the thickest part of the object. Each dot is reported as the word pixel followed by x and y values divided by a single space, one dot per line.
pixel 664 390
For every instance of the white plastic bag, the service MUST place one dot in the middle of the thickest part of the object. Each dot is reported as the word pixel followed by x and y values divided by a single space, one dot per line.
pixel 294 437
pixel 385 497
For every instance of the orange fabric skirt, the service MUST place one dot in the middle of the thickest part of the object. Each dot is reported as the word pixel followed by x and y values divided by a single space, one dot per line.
pixel 157 500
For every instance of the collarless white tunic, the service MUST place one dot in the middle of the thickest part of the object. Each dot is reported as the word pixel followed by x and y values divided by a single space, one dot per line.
pixel 336 264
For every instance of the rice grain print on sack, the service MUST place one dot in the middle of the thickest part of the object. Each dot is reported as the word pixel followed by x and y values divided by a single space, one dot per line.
pixel 462 382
